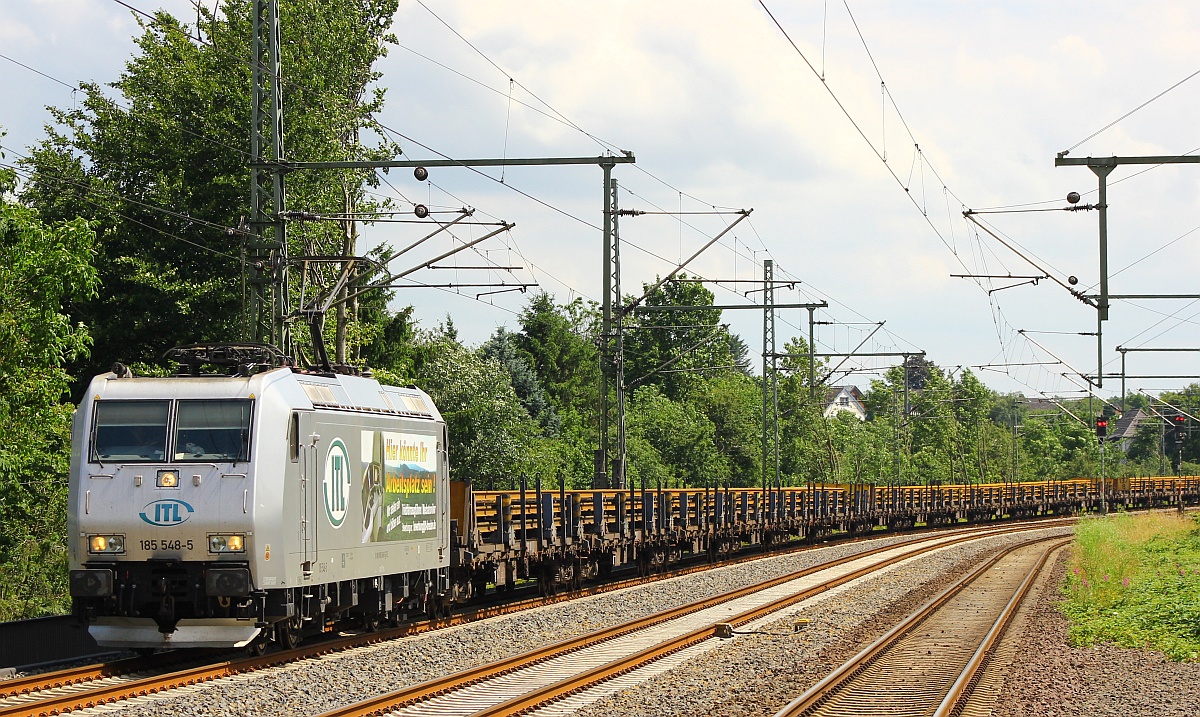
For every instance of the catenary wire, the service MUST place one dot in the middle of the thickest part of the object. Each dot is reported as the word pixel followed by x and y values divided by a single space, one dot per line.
pixel 1130 112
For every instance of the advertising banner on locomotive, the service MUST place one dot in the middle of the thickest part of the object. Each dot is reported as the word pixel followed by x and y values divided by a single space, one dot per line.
pixel 399 486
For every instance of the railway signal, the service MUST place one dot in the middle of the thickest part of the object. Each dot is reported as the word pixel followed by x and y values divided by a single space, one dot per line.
pixel 1101 428
pixel 1180 423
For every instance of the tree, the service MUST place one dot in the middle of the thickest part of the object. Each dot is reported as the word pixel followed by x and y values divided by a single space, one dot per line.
pixel 163 172
pixel 491 434
pixel 558 342
pixel 502 347
pixel 44 269
pixel 733 403
pixel 682 438
pixel 664 346
pixel 393 344
pixel 804 453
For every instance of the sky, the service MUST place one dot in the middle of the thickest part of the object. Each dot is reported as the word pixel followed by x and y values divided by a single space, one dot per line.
pixel 858 138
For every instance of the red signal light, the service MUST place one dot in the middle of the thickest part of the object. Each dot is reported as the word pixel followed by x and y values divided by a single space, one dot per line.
pixel 1179 419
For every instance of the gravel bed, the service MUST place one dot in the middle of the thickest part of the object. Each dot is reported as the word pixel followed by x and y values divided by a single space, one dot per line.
pixel 319 685
pixel 757 674
pixel 1057 679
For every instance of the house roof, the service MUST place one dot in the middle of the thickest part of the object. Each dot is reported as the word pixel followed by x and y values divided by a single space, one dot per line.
pixel 1126 426
pixel 833 392
pixel 1041 404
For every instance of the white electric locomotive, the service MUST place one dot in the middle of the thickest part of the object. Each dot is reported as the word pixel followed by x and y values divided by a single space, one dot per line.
pixel 228 510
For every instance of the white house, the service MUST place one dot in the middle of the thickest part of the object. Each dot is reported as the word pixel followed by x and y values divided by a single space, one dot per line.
pixel 845 398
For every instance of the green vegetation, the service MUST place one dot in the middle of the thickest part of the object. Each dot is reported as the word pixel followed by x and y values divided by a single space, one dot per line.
pixel 113 247
pixel 44 269
pixel 1135 582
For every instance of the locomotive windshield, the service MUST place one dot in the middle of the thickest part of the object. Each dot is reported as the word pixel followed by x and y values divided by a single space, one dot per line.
pixel 213 431
pixel 130 430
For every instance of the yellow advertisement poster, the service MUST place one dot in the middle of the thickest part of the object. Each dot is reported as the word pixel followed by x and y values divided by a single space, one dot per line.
pixel 399 489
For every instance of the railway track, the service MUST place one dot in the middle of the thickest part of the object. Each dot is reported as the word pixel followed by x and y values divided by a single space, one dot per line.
pixel 928 663
pixel 90 686
pixel 532 680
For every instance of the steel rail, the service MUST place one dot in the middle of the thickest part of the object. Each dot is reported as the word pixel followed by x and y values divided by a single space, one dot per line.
pixel 32 684
pixel 105 694
pixel 383 704
pixel 71 676
pixel 41 682
pixel 954 701
pixel 823 690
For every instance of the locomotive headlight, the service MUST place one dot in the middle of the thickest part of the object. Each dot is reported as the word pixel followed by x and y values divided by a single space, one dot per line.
pixel 231 543
pixel 168 479
pixel 110 544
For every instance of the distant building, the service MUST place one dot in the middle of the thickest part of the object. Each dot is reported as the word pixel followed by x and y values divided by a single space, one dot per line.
pixel 845 398
pixel 1125 427
pixel 1042 404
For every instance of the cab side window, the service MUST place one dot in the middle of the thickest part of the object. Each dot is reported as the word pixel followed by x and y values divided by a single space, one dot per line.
pixel 294 437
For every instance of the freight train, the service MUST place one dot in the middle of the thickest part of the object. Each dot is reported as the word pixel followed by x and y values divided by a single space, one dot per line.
pixel 265 503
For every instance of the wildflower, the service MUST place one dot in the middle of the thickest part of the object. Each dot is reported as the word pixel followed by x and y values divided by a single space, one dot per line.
pixel 1125 581
pixel 1106 577
pixel 1085 582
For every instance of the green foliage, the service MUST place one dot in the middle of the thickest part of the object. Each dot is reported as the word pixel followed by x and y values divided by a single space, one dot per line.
pixel 803 448
pixel 393 346
pixel 43 268
pixel 503 347
pixel 557 340
pixel 676 442
pixel 732 402
pixel 178 139
pixel 490 431
pixel 675 350
pixel 1134 582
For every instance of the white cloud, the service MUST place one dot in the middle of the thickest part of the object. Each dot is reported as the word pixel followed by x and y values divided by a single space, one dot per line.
pixel 713 100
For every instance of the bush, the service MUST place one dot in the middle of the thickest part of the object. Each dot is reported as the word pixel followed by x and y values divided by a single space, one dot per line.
pixel 1134 581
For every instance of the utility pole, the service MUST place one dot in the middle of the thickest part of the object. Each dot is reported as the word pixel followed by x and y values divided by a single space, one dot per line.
pixel 1124 350
pixel 267 313
pixel 770 379
pixel 770 419
pixel 265 250
pixel 612 347
pixel 812 357
pixel 1102 167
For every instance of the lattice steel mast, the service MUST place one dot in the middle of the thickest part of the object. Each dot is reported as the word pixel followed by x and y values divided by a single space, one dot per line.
pixel 265 248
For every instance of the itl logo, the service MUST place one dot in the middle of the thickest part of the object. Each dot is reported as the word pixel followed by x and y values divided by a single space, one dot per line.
pixel 336 483
pixel 166 513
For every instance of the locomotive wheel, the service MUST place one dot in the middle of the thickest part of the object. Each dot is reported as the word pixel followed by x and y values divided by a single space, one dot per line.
pixel 287 634
pixel 258 647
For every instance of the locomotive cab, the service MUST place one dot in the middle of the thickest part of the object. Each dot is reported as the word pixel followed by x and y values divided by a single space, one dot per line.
pixel 162 490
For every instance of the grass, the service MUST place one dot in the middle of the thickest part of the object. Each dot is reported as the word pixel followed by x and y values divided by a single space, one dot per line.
pixel 1134 581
